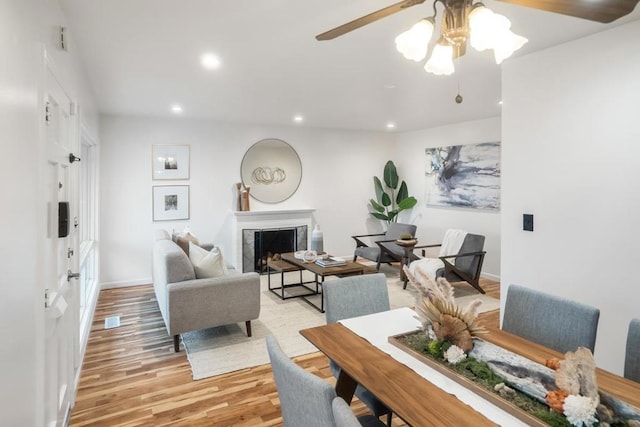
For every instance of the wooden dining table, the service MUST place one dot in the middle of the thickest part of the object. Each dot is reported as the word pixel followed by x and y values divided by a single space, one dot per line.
pixel 413 398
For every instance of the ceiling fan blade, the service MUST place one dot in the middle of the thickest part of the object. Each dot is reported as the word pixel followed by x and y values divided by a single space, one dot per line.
pixel 367 19
pixel 604 11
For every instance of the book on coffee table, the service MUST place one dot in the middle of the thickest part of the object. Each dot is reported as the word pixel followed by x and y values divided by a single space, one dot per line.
pixel 330 262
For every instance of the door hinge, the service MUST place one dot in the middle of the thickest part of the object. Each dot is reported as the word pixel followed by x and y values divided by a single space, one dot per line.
pixel 47 113
pixel 46 298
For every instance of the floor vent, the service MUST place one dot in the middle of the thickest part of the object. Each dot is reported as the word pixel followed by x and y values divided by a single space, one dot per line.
pixel 112 322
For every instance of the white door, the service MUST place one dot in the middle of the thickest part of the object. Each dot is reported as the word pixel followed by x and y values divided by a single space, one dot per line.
pixel 61 330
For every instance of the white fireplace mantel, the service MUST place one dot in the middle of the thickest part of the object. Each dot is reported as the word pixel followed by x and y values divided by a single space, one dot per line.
pixel 264 220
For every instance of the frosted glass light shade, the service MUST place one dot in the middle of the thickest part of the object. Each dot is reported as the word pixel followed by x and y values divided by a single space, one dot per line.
pixel 508 43
pixel 441 61
pixel 413 43
pixel 490 30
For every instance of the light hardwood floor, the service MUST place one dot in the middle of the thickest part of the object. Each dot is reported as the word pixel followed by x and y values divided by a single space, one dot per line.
pixel 132 377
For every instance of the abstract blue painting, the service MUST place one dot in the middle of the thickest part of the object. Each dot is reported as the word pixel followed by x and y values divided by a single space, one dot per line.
pixel 464 176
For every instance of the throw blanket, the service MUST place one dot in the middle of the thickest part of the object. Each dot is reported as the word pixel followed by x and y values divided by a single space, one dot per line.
pixel 451 245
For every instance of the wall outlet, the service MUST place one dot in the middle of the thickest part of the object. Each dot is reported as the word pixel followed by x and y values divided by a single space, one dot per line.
pixel 527 222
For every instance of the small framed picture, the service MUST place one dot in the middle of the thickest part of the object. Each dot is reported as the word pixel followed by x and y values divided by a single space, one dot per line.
pixel 170 202
pixel 170 161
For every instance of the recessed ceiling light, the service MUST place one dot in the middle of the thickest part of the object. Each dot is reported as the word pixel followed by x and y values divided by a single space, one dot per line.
pixel 176 109
pixel 210 61
pixel 389 86
pixel 298 118
pixel 499 102
pixel 391 125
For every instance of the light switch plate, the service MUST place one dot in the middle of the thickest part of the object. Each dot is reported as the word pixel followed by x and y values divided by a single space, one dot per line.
pixel 527 222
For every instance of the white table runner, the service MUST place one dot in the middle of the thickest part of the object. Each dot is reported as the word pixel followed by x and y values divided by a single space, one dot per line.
pixel 377 328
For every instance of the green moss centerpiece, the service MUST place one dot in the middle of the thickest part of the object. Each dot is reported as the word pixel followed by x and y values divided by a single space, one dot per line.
pixel 563 393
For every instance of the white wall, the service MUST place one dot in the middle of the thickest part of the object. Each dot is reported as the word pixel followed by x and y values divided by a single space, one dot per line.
pixel 27 29
pixel 337 171
pixel 433 222
pixel 571 149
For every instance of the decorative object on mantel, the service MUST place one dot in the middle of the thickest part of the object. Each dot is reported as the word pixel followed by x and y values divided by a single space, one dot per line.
pixel 239 196
pixel 245 198
pixel 317 240
pixel 273 169
pixel 448 342
pixel 389 204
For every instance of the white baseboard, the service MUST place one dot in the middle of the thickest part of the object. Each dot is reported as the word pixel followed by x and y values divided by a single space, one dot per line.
pixel 490 276
pixel 126 283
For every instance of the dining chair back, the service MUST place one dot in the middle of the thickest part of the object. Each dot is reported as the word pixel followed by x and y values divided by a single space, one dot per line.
pixel 558 323
pixel 305 399
pixel 355 296
pixel 346 418
pixel 632 354
pixel 352 297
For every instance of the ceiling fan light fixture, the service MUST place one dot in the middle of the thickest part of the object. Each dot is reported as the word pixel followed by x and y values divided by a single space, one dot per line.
pixel 441 61
pixel 506 45
pixel 491 30
pixel 414 43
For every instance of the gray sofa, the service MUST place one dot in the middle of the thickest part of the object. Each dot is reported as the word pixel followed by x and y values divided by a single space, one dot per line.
pixel 189 304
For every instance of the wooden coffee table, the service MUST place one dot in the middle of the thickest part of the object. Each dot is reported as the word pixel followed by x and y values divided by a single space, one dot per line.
pixel 349 269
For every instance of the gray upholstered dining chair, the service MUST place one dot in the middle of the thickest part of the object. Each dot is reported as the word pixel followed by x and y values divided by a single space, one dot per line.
pixel 554 322
pixel 385 250
pixel 352 297
pixel 344 417
pixel 305 399
pixel 632 354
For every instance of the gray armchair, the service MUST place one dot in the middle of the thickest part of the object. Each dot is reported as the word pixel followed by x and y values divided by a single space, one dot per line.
pixel 465 266
pixel 385 251
pixel 632 355
pixel 305 399
pixel 557 323
pixel 352 297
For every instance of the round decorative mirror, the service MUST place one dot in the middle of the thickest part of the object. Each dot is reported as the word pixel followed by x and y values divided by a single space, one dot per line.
pixel 272 169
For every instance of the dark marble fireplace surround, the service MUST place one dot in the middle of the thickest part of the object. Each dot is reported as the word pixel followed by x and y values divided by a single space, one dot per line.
pixel 258 244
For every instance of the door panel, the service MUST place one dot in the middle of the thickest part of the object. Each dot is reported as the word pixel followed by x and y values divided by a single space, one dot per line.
pixel 61 329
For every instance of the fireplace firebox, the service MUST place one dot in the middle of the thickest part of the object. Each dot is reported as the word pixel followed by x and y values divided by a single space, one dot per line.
pixel 259 246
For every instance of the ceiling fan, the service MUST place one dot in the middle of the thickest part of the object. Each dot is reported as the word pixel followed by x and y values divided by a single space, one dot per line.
pixel 604 11
pixel 471 20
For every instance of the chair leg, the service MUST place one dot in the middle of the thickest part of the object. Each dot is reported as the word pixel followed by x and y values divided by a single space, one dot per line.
pixel 176 343
pixel 248 325
pixel 389 415
pixel 355 257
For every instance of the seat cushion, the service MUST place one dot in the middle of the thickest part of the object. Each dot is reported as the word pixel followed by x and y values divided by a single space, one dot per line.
pixel 368 252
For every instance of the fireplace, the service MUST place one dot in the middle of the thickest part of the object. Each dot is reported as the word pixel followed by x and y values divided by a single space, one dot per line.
pixel 259 246
pixel 247 223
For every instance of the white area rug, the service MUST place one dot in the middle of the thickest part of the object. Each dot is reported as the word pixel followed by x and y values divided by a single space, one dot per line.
pixel 224 349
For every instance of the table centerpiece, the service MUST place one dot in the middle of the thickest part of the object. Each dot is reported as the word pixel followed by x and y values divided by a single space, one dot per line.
pixel 562 393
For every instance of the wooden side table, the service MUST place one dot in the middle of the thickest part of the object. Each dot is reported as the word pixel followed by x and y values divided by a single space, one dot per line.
pixel 408 246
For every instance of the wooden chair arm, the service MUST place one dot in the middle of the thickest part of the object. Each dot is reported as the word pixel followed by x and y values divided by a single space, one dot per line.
pixel 423 247
pixel 360 243
pixel 443 258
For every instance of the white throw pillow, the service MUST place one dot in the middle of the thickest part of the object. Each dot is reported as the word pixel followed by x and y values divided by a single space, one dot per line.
pixel 207 263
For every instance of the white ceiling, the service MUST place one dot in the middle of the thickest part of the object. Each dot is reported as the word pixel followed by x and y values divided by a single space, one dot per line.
pixel 142 56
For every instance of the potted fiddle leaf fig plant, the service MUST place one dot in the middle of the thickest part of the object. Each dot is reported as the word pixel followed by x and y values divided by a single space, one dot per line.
pixel 390 199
